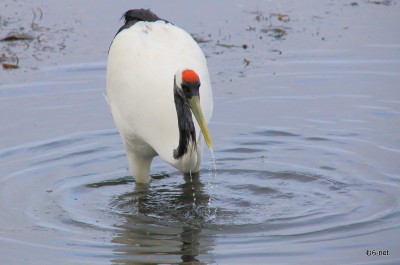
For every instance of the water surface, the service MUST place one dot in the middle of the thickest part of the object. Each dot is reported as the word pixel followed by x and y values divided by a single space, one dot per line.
pixel 305 125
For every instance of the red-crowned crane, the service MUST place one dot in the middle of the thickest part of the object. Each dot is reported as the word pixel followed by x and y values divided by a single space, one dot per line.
pixel 159 93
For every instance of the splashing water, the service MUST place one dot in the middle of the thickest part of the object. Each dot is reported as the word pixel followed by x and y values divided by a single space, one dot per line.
pixel 213 165
pixel 212 173
pixel 194 203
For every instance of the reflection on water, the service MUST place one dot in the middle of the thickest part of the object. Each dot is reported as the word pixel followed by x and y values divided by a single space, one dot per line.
pixel 163 225
pixel 263 200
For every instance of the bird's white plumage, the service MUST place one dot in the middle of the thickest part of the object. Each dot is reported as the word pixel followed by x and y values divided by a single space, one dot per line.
pixel 142 62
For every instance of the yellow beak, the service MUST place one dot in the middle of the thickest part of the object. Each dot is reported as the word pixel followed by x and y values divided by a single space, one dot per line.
pixel 194 104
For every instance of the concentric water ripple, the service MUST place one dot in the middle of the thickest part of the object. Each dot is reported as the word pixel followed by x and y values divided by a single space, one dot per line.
pixel 79 184
pixel 305 127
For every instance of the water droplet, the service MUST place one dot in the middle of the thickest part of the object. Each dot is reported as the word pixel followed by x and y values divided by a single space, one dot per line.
pixel 213 164
pixel 193 190
pixel 212 173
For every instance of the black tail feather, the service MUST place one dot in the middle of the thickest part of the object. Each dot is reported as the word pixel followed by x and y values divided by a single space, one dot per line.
pixel 140 15
pixel 135 15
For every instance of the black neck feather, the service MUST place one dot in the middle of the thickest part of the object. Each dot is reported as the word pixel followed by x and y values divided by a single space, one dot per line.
pixel 187 131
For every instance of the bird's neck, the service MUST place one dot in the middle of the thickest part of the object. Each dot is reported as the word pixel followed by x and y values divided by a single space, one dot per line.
pixel 187 132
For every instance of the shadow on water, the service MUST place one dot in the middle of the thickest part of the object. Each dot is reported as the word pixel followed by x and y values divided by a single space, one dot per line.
pixel 164 223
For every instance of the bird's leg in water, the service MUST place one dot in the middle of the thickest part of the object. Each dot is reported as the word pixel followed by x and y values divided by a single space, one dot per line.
pixel 140 166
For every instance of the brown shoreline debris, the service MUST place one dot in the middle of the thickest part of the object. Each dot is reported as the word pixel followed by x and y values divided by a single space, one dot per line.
pixel 13 36
pixel 9 66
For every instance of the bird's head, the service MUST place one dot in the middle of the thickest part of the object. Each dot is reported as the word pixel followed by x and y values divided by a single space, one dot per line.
pixel 187 84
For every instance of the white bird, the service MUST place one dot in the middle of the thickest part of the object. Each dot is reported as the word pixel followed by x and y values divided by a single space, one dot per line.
pixel 157 77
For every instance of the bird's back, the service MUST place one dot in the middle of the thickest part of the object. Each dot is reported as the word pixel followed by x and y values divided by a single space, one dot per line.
pixel 143 59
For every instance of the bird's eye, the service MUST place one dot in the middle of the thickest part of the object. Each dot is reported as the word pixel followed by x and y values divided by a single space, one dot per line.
pixel 185 88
